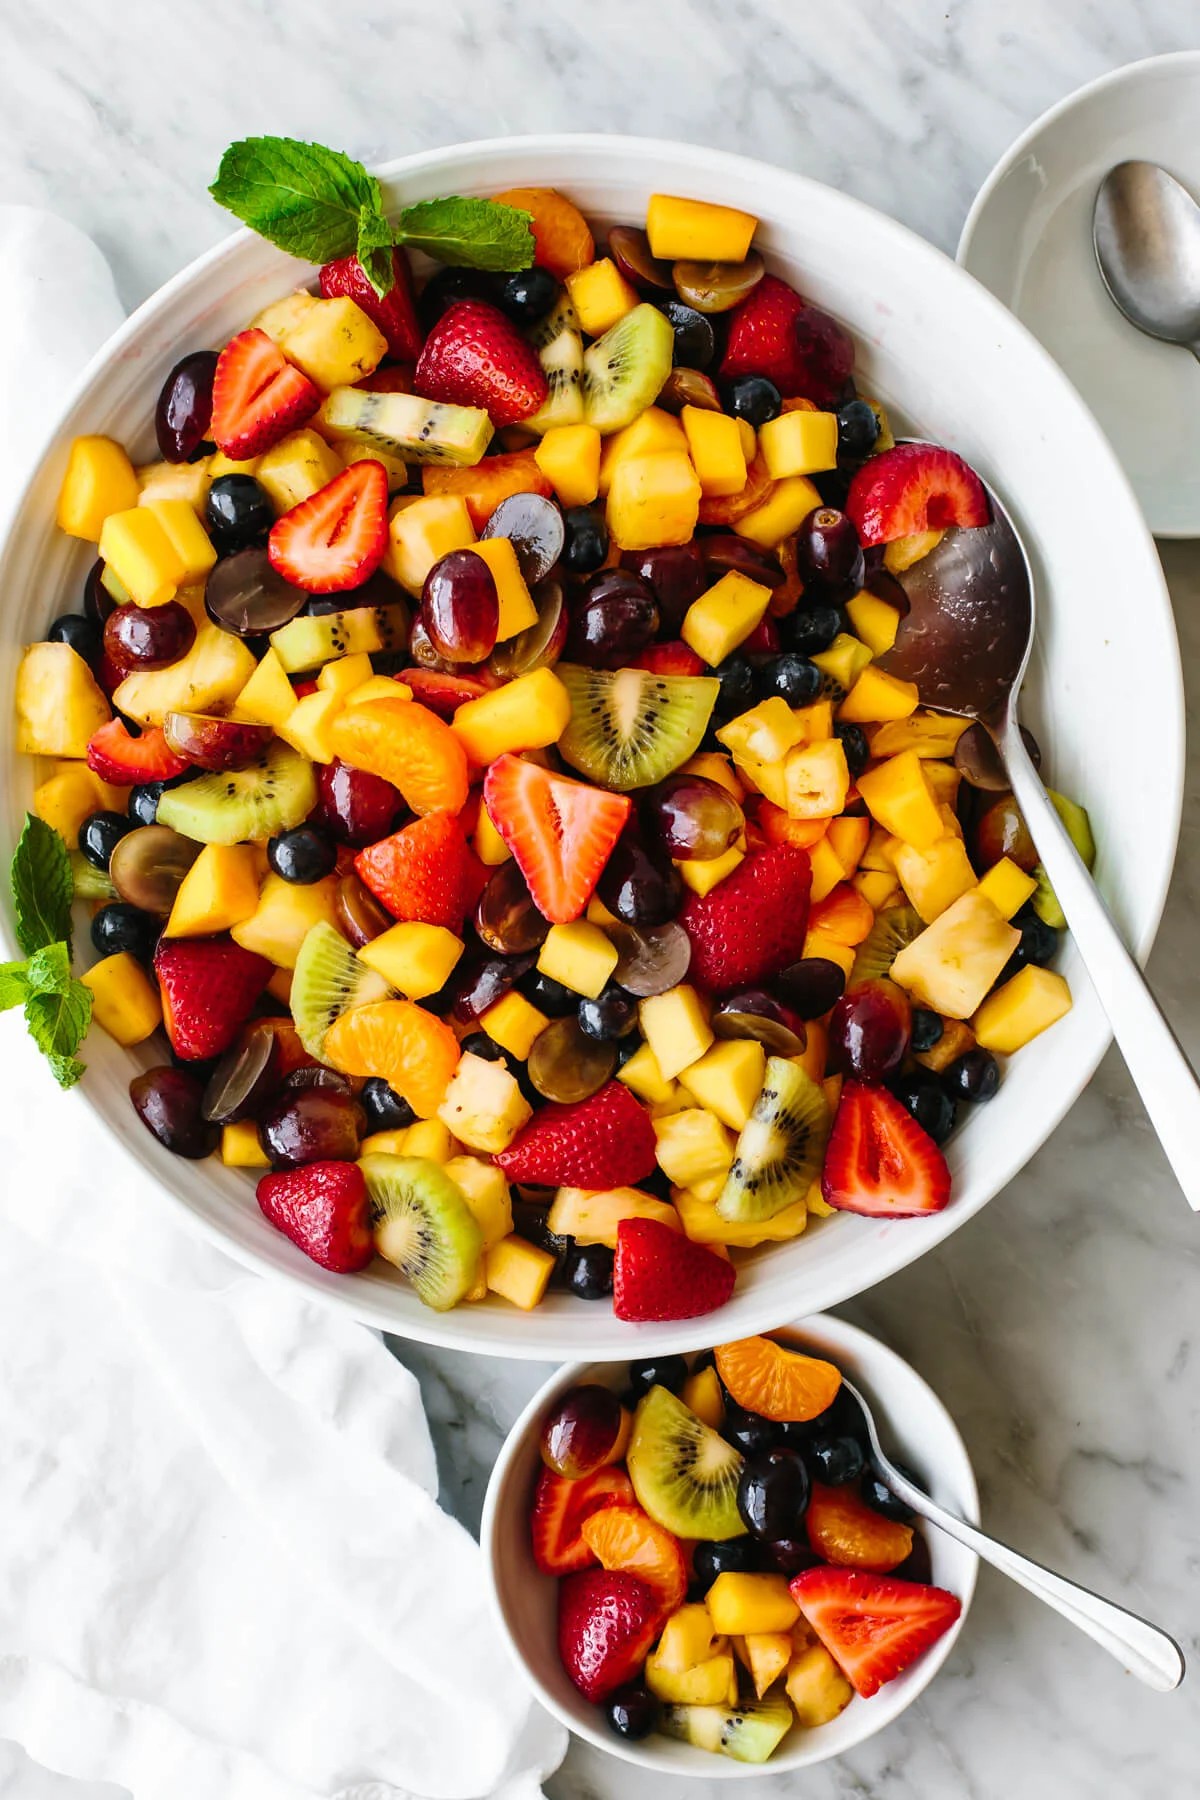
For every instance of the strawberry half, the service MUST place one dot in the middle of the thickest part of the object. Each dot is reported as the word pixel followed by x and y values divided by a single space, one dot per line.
pixel 606 1141
pixel 753 923
pixel 561 832
pixel 475 356
pixel 560 1508
pixel 913 488
pixel 115 755
pixel 422 872
pixel 323 1208
pixel 879 1161
pixel 669 659
pixel 873 1626
pixel 395 312
pixel 336 538
pixel 607 1622
pixel 209 987
pixel 258 396
pixel 660 1274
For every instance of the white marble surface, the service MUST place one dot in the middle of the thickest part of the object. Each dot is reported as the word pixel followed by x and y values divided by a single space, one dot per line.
pixel 1061 1326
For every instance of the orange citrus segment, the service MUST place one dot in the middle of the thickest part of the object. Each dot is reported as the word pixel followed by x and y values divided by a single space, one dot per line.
pixel 560 231
pixel 723 509
pixel 624 1537
pixel 843 1529
pixel 407 745
pixel 411 1050
pixel 487 483
pixel 776 1383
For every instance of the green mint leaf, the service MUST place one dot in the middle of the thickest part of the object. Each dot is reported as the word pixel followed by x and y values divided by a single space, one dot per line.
pixel 468 233
pixel 58 1024
pixel 48 971
pixel 303 198
pixel 374 250
pixel 14 987
pixel 42 887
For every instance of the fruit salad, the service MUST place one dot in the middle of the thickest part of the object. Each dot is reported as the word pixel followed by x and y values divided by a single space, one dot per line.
pixel 477 747
pixel 730 1567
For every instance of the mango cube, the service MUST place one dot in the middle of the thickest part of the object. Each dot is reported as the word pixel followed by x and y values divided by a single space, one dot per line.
pixel 483 1105
pixel 1024 1007
pixel 284 916
pixel 697 230
pixel 875 622
pixel 654 500
pixel 600 295
pixel 715 767
pixel 518 1271
pixel 709 1683
pixel 643 1077
pixel 297 467
pixel 799 443
pixel 514 1024
pixel 653 430
pixel 345 674
pixel 569 458
pixel 899 797
pixel 417 959
pixel 186 535
pixel 489 846
pixel 876 695
pixel 268 698
pixel 745 1604
pixel 715 447
pixel 486 1192
pixel 1007 886
pixel 955 961
pixel 218 891
pixel 335 343
pixel 307 726
pixel 432 1139
pixel 847 838
pixel 728 1079
pixel 816 1687
pixel 676 1027
pixel 379 687
pixel 141 555
pixel 579 955
pixel 827 870
pixel 241 1147
pixel 784 510
pixel 423 528
pixel 526 714
pixel 703 876
pixel 934 879
pixel 125 1001
pixel 701 1394
pixel 99 480
pixel 693 1147
pixel 716 623
pixel 71 795
pixel 517 611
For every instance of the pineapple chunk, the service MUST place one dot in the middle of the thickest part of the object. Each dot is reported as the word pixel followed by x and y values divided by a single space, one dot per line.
pixel 282 316
pixel 654 500
pixel 125 1001
pixel 688 1639
pixel 514 1024
pixel 578 955
pixel 307 726
pixel 219 890
pixel 569 458
pixel 59 704
pixel 592 1217
pixel 652 431
pixel 526 714
pixel 208 679
pixel 848 839
pixel 704 1225
pixel 844 661
pixel 903 552
pixel 876 623
pixel 297 467
pixel 175 481
pixel 715 767
pixel 141 555
pixel 799 443
pixel 693 1146
pixel 715 447
pixel 746 1604
pixel 99 480
pixel 186 535
pixel 335 343
pixel 728 1079
pixel 784 510
pixel 877 888
pixel 701 1394
pixel 954 962
pixel 706 1684
pixel 518 1271
pixel 716 623
pixel 876 696
pixel 766 1654
pixel 600 295
pixel 1007 886
pixel 432 1139
pixel 423 529
pixel 816 779
pixel 417 959
pixel 697 230
pixel 703 877
pixel 241 1147
pixel 1022 1009
pixel 485 1191
pixel 933 879
pixel 285 914
pixel 379 687
pixel 676 1027
pixel 643 1077
pixel 816 1687
pixel 768 731
pixel 483 1106
pixel 898 797
pixel 219 464
pixel 929 734
pixel 268 698
pixel 517 611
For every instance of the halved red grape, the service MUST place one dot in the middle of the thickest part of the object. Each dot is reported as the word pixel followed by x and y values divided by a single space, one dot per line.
pixel 422 650
pixel 870 1030
pixel 617 616
pixel 148 637
pixel 753 1013
pixel 311 1124
pixel 357 913
pixel 640 887
pixel 184 410
pixel 506 918
pixel 460 608
pixel 244 595
pixel 213 743
pixel 629 248
pixel 715 287
pixel 688 387
pixel 1001 831
pixel 676 575
pixel 811 986
pixel 353 805
pixel 583 1431
pixel 245 1077
pixel 148 866
pixel 483 982
pixel 695 818
pixel 169 1102
pixel 650 958
pixel 535 527
pixel 725 551
pixel 566 1065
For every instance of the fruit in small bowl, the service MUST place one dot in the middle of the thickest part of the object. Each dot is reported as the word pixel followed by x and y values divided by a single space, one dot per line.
pixel 730 1578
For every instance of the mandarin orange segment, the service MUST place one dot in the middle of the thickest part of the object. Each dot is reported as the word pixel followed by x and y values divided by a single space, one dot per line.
pixel 786 597
pixel 408 745
pixel 723 509
pixel 400 1042
pixel 485 485
pixel 624 1537
pixel 844 1530
pixel 844 914
pixel 776 1383
pixel 560 231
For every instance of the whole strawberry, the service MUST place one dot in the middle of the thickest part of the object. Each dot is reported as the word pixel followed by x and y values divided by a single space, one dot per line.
pixel 753 923
pixel 208 987
pixel 607 1622
pixel 475 356
pixel 323 1208
pixel 660 1274
pixel 777 333
pixel 604 1142
pixel 395 312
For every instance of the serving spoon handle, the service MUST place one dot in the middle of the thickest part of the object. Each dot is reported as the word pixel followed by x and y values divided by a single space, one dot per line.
pixel 1161 1072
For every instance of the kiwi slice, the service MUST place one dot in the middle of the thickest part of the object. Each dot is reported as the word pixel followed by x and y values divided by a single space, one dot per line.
pixel 780 1148
pixel 309 643
pixel 629 728
pixel 404 425
pixel 277 790
pixel 894 928
pixel 624 370
pixel 327 981
pixel 424 1226
pixel 1044 901
pixel 88 882
pixel 559 345
pixel 684 1475
pixel 749 1731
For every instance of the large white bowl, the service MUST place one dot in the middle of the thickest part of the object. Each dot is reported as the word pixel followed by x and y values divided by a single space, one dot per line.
pixel 912 1420
pixel 1104 695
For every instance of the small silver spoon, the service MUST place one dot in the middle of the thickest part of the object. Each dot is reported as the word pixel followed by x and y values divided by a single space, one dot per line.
pixel 1138 1646
pixel 1146 231
pixel 965 642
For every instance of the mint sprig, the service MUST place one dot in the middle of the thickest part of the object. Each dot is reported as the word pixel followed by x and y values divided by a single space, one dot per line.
pixel 58 1007
pixel 320 205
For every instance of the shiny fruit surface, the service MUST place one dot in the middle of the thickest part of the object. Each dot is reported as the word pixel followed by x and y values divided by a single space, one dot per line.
pixel 148 866
pixel 695 818
pixel 1000 831
pixel 713 287
pixel 651 958
pixel 184 410
pixel 354 806
pixel 640 887
pixel 773 1493
pixel 213 743
pixel 616 617
pixel 244 595
pixel 357 913
pixel 460 608
pixel 506 918
pixel 870 1030
pixel 245 1077
pixel 566 1064
pixel 676 574
pixel 169 1102
pixel 540 645
pixel 148 637
pixel 828 553
pixel 582 1432
pixel 811 986
pixel 825 354
pixel 311 1124
pixel 629 248
pixel 535 527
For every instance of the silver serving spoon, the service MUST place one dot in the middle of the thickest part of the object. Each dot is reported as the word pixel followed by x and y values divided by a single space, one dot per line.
pixel 1146 231
pixel 1138 1646
pixel 965 642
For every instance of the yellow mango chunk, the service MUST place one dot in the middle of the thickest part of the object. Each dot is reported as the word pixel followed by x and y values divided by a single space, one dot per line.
pixel 219 890
pixel 693 1147
pixel 485 1191
pixel 643 1077
pixel 417 959
pixel 767 730
pixel 688 1639
pixel 99 480
pixel 186 535
pixel 654 500
pixel 286 913
pixel 488 845
pixel 125 1001
pixel 268 698
pixel 799 443
pixel 728 1079
pixel 600 295
pixel 827 870
pixel 71 795
pixel 307 726
pixel 751 1603
pixel 335 343
pixel 899 797
pixel 241 1148
pixel 784 510
pixel 518 1271
pixel 569 458
pixel 716 623
pixel 707 1684
pixel 653 430
pixel 514 1024
pixel 517 611
pixel 703 877
pixel 930 734
pixel 346 674
pixel 765 1654
pixel 704 1225
pixel 579 955
pixel 816 1687
pixel 175 481
pixel 848 838
pixel 701 1394
pixel 875 622
pixel 422 529
pixel 592 1217
pixel 715 447
pixel 1007 886
pixel 526 714
pixel 141 555
pixel 1022 1009
pixel 934 879
pixel 877 695
pixel 903 552
pixel 676 1027
pixel 697 230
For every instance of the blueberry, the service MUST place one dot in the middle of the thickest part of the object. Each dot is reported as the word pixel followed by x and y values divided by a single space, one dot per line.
pixel 528 294
pixel 791 1555
pixel 695 344
pixel 858 429
pixel 811 629
pixel 880 1498
pixel 858 750
pixel 632 1712
pixel 1038 944
pixel 724 1556
pixel 83 635
pixel 791 677
pixel 927 1028
pixel 549 996
pixel 974 1077
pixel 238 513
pixel 753 398
pixel 478 1043
pixel 143 801
pixel 586 540
pixel 658 1371
pixel 628 1047
pixel 736 677
pixel 302 855
pixel 119 927
pixel 100 834
pixel 612 1014
pixel 836 1460
pixel 923 1095
pixel 746 1430
pixel 449 285
pixel 772 1493
pixel 384 1108
pixel 588 1271
pixel 533 1224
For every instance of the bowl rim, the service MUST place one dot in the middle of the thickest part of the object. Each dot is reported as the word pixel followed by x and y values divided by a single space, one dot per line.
pixel 501 1334
pixel 833 1336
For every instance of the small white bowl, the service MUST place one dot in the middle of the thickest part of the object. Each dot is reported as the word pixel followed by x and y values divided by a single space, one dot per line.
pixel 912 1419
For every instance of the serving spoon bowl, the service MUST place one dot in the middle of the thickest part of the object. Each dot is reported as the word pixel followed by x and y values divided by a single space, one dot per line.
pixel 1146 234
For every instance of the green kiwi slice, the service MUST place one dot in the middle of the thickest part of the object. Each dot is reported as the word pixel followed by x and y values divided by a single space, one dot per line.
pixel 683 1473
pixel 424 1226
pixel 894 929
pixel 559 345
pixel 749 1732
pixel 327 981
pixel 308 643
pixel 629 728
pixel 624 370
pixel 405 425
pixel 780 1148
pixel 277 790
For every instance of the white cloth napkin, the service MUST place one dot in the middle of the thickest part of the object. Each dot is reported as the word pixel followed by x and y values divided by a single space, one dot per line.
pixel 223 1571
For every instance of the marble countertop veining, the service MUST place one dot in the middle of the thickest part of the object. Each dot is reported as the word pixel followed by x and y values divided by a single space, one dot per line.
pixel 1060 1326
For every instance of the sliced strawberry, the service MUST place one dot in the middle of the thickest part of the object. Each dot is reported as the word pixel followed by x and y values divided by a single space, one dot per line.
pixel 324 1209
pixel 209 987
pixel 258 396
pixel 475 356
pixel 660 1274
pixel 114 755
pixel 395 312
pixel 442 692
pixel 873 1626
pixel 422 872
pixel 336 538
pixel 561 832
pixel 913 488
pixel 356 807
pixel 879 1160
pixel 560 1508
pixel 606 1141
pixel 607 1622
pixel 670 659
pixel 753 923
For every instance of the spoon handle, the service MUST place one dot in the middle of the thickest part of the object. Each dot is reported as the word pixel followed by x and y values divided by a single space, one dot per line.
pixel 1161 1072
pixel 1138 1646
